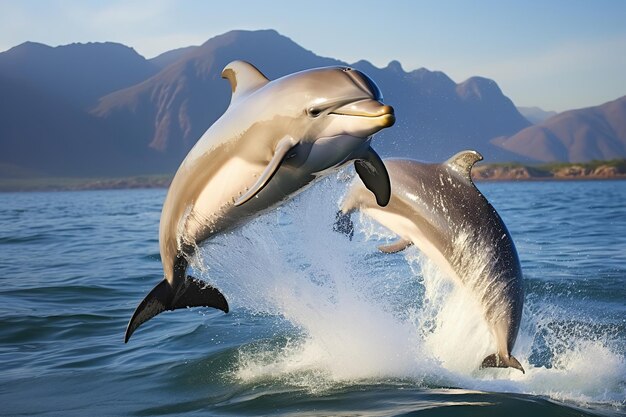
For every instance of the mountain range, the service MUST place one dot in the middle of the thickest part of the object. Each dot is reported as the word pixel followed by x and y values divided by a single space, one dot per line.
pixel 592 133
pixel 535 115
pixel 101 109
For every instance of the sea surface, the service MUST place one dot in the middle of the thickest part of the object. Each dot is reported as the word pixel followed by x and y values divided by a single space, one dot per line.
pixel 319 325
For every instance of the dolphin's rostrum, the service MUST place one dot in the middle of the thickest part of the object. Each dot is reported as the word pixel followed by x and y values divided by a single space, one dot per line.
pixel 274 139
pixel 438 208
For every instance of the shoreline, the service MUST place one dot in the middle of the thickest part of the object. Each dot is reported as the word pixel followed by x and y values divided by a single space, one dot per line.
pixel 482 173
pixel 550 179
pixel 84 184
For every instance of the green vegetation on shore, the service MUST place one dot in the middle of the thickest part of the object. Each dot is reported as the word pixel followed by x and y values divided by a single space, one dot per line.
pixel 620 164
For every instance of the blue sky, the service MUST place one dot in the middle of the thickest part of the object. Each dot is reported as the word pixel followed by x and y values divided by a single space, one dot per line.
pixel 558 54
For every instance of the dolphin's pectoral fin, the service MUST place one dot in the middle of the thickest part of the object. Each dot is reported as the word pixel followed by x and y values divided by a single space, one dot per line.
pixel 282 149
pixel 373 173
pixel 397 246
pixel 343 224
pixel 244 78
pixel 498 361
pixel 191 293
pixel 463 162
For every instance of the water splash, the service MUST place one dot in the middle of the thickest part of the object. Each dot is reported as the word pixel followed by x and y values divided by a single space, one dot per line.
pixel 354 315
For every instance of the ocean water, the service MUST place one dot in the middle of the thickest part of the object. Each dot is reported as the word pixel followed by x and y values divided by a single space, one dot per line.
pixel 319 325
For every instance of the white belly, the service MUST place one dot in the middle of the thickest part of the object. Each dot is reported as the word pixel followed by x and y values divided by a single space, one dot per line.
pixel 219 194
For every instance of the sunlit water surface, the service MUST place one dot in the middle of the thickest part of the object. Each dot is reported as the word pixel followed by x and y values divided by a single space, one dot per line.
pixel 318 325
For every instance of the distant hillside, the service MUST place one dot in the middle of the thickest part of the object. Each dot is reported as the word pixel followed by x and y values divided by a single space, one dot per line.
pixel 102 109
pixel 78 73
pixel 169 112
pixel 535 115
pixel 41 134
pixel 169 57
pixel 436 116
pixel 576 136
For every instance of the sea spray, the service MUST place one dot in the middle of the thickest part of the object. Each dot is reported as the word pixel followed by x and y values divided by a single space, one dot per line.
pixel 348 314
pixel 341 303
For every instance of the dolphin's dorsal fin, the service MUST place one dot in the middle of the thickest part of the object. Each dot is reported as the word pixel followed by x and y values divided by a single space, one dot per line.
pixel 463 162
pixel 244 78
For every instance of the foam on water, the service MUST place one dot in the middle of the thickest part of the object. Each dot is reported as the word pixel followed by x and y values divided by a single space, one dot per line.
pixel 355 315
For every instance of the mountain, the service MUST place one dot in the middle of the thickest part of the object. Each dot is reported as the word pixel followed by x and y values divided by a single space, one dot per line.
pixel 102 109
pixel 78 73
pixel 436 117
pixel 535 115
pixel 592 133
pixel 45 128
pixel 41 134
pixel 167 58
pixel 170 111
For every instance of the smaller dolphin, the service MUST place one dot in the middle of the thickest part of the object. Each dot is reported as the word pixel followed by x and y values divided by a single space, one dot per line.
pixel 438 208
pixel 275 138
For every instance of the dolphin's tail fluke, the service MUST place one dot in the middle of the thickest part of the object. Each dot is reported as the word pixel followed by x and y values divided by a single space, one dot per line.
pixel 191 293
pixel 499 361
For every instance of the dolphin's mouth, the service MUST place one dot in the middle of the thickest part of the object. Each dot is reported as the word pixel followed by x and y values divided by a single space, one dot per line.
pixel 369 108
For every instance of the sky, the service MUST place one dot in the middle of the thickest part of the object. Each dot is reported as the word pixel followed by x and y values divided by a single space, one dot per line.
pixel 555 54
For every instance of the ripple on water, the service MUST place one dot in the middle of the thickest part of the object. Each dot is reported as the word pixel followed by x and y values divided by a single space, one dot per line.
pixel 318 326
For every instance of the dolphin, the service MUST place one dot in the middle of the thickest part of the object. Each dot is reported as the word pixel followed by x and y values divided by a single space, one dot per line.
pixel 275 138
pixel 438 208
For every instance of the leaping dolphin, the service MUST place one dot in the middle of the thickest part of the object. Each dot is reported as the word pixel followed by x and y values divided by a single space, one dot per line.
pixel 438 208
pixel 274 139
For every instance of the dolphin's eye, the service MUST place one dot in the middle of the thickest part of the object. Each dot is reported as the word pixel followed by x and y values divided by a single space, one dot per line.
pixel 314 111
pixel 346 69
